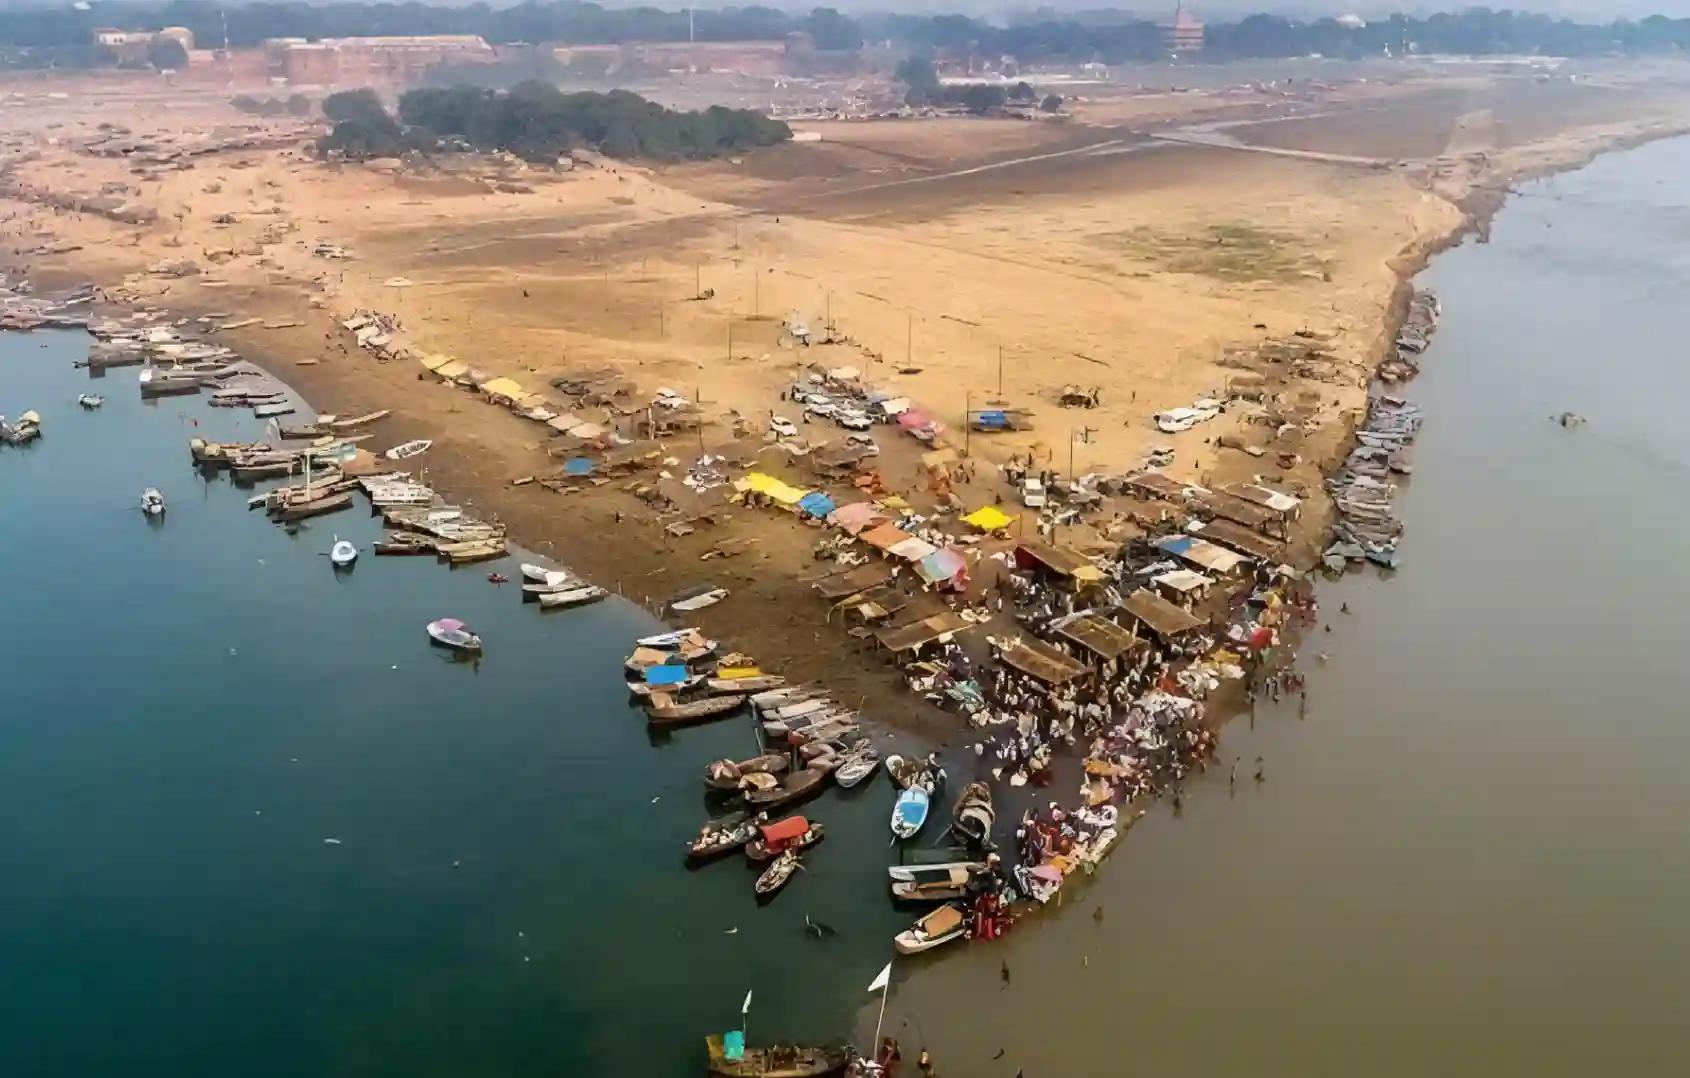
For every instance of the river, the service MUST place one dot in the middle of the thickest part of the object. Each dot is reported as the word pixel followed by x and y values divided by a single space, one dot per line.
pixel 1472 856
pixel 193 709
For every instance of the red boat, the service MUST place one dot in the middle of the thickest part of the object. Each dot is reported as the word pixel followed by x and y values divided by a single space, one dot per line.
pixel 792 833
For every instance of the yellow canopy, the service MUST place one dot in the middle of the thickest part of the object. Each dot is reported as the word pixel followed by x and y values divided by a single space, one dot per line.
pixel 456 368
pixel 767 484
pixel 435 360
pixel 503 387
pixel 735 673
pixel 989 519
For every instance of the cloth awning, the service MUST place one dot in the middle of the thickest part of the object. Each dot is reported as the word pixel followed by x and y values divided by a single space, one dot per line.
pixel 1240 539
pixel 816 504
pixel 988 519
pixel 859 579
pixel 912 549
pixel 503 387
pixel 1159 485
pixel 1158 615
pixel 1201 553
pixel 925 631
pixel 885 537
pixel 1098 635
pixel 1182 581
pixel 943 566
pixel 780 491
pixel 1039 660
pixel 457 368
pixel 856 517
pixel 434 361
pixel 1276 500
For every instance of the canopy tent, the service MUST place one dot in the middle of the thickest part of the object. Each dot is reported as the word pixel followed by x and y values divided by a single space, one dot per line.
pixel 885 537
pixel 912 549
pixel 452 370
pixel 856 517
pixel 988 519
pixel 1062 561
pixel 776 489
pixel 1040 660
pixel 1158 485
pixel 1277 501
pixel 1098 635
pixel 859 579
pixel 1158 615
pixel 434 361
pixel 785 830
pixel 925 631
pixel 1201 553
pixel 503 387
pixel 1240 539
pixel 816 504
pixel 1183 581
pixel 945 568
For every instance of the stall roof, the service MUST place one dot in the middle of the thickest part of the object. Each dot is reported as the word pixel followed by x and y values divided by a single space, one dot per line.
pixel 942 565
pixel 1236 509
pixel 1098 635
pixel 434 361
pixel 988 519
pixel 457 368
pixel 1037 659
pixel 856 517
pixel 884 537
pixel 927 630
pixel 1240 539
pixel 1158 615
pixel 1266 497
pixel 1061 560
pixel 1159 485
pixel 1201 553
pixel 859 579
pixel 503 387
pixel 1182 580
pixel 912 549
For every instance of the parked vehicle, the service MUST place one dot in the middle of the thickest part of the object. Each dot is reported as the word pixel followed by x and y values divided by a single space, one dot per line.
pixel 851 419
pixel 783 427
pixel 1033 493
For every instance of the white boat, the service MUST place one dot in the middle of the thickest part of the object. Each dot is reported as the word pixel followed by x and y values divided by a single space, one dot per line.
pixel 698 598
pixel 539 574
pixel 672 639
pixel 909 812
pixel 152 502
pixel 90 401
pixel 857 767
pixel 939 927
pixel 577 596
pixel 453 634
pixel 342 553
pixel 408 449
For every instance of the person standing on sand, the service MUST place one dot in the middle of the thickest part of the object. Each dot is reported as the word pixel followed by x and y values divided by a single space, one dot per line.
pixel 1261 776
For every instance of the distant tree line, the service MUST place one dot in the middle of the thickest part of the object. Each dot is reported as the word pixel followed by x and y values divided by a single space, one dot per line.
pixel 61 35
pixel 538 122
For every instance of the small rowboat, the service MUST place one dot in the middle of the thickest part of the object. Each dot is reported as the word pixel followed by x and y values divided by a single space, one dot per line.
pixel 641 688
pixel 408 449
pixel 723 836
pixel 792 1061
pixel 580 595
pixel 663 710
pixel 90 401
pixel 797 785
pixel 342 553
pixel 560 582
pixel 697 598
pixel 909 812
pixel 454 635
pixel 943 925
pixel 727 774
pixel 792 833
pixel 942 885
pixel 152 502
pixel 760 683
pixel 777 874
pixel 539 574
pixel 857 767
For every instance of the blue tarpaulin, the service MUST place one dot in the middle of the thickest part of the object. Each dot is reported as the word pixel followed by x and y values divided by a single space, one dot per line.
pixel 990 421
pixel 816 504
pixel 733 1045
pixel 672 674
pixel 578 466
pixel 1176 544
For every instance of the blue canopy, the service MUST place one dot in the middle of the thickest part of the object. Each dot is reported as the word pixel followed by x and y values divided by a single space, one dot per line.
pixel 578 466
pixel 1176 544
pixel 672 674
pixel 733 1045
pixel 816 504
pixel 991 421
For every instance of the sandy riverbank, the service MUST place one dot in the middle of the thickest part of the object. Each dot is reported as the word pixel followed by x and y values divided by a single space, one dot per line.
pixel 1136 268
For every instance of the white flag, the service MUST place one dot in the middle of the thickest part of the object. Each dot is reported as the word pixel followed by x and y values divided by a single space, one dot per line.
pixel 745 1008
pixel 881 981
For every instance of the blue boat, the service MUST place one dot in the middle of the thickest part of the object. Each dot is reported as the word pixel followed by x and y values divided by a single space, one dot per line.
pixel 909 812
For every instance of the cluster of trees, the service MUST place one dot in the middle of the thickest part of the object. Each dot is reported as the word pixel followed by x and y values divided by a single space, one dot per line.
pixel 922 87
pixel 538 122
pixel 62 34
pixel 293 105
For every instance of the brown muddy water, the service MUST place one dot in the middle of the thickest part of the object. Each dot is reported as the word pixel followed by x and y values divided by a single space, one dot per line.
pixel 1473 855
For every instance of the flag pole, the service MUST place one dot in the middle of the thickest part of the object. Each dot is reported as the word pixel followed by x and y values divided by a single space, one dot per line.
pixel 874 1048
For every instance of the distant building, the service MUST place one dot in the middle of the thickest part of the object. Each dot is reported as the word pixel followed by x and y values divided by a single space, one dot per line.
pixel 369 59
pixel 1184 35
pixel 130 46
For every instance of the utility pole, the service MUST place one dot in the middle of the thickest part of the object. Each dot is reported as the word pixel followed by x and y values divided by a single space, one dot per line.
pixel 909 339
pixel 756 291
pixel 698 280
pixel 730 338
pixel 1000 373
pixel 967 419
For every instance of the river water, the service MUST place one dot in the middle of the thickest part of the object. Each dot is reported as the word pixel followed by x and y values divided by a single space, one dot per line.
pixel 190 710
pixel 1473 855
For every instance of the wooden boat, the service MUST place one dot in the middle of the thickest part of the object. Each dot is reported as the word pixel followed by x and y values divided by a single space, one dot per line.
pixel 266 411
pixel 468 553
pixel 152 502
pixel 781 1061
pixel 777 875
pixel 671 640
pixel 775 698
pixel 728 774
pixel 857 767
pixel 723 836
pixel 364 420
pixel 697 598
pixel 925 861
pixel 334 503
pixel 936 885
pixel 662 708
pixel 564 582
pixel 686 684
pixel 539 574
pixel 454 635
pixel 833 746
pixel 157 382
pixel 774 839
pixel 24 431
pixel 90 401
pixel 403 544
pixel 940 927
pixel 797 785
pixel 580 595
pixel 973 815
pixel 408 449
pixel 909 812
pixel 908 772
pixel 759 683
pixel 343 553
